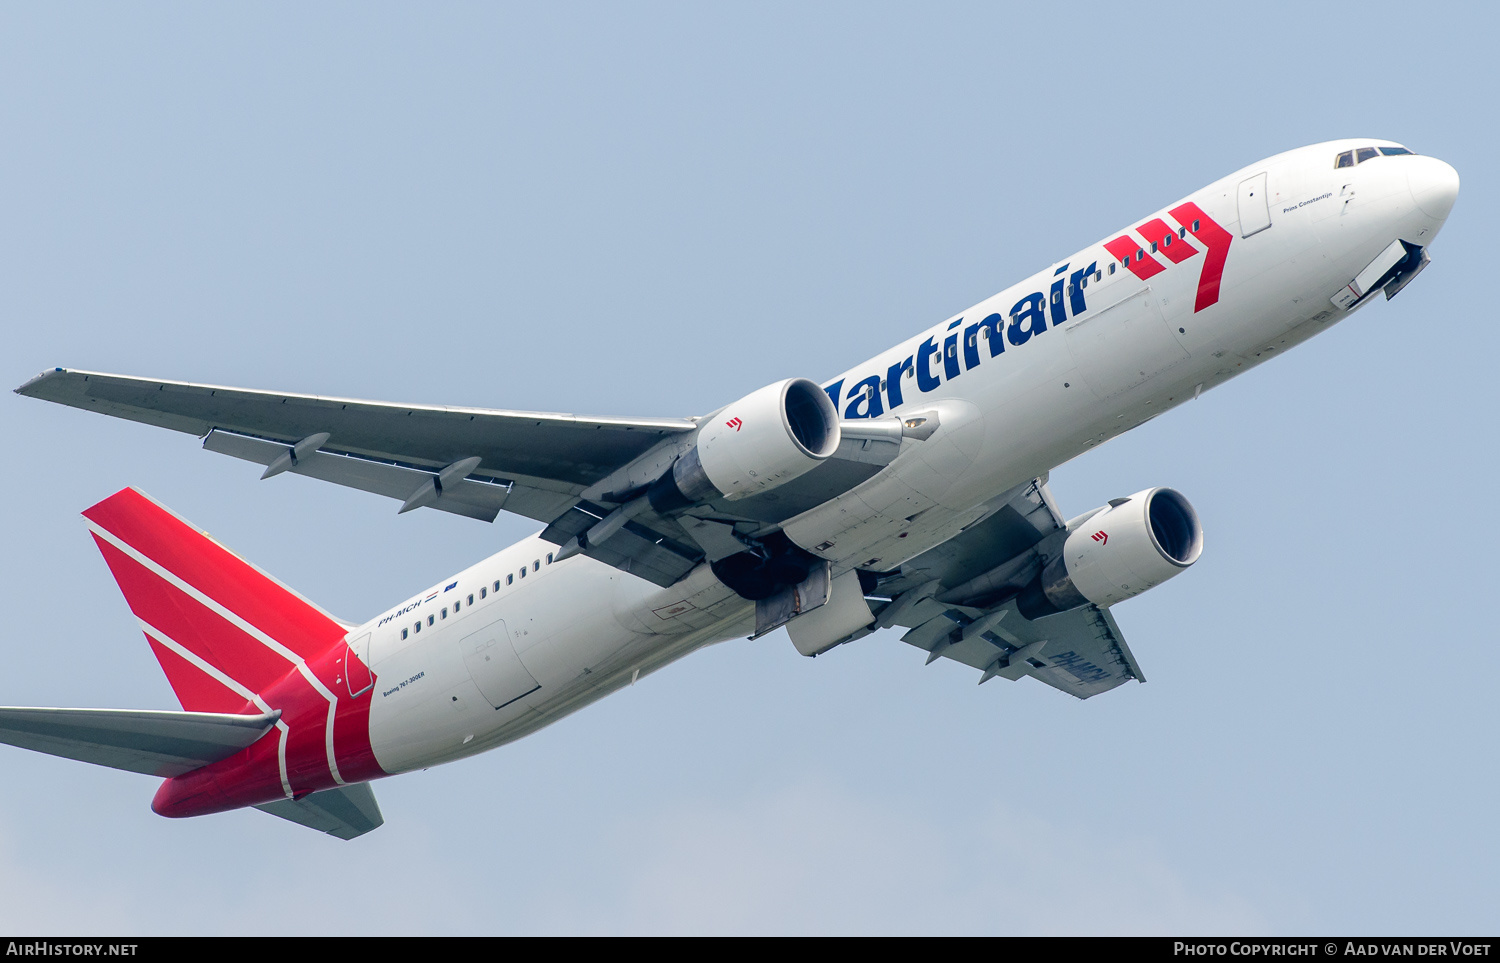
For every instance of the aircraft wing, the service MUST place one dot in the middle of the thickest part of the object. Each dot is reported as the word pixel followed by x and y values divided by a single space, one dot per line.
pixel 474 462
pixel 471 461
pixel 957 602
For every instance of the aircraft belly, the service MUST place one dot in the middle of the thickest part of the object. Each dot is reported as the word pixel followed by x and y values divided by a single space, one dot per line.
pixel 636 659
pixel 698 600
pixel 569 638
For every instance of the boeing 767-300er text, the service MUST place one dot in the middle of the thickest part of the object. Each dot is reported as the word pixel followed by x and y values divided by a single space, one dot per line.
pixel 902 492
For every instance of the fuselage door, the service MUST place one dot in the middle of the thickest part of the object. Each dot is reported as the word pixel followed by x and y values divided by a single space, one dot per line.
pixel 494 665
pixel 356 665
pixel 1255 206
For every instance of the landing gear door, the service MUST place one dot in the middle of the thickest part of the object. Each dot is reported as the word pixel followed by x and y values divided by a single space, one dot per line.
pixel 1255 206
pixel 494 666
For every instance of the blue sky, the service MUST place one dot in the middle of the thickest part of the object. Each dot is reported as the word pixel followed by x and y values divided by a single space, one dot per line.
pixel 654 209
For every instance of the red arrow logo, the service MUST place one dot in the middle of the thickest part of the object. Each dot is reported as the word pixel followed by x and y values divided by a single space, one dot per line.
pixel 1101 536
pixel 735 423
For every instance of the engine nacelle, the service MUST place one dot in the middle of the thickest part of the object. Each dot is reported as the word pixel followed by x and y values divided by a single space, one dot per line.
pixel 1127 547
pixel 765 439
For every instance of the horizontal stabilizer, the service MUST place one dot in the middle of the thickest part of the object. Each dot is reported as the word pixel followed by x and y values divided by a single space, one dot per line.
pixel 136 740
pixel 345 812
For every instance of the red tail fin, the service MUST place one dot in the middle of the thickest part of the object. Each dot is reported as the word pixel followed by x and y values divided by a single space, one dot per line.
pixel 222 630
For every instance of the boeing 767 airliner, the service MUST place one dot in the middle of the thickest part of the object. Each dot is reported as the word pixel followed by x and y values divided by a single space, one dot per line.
pixel 907 493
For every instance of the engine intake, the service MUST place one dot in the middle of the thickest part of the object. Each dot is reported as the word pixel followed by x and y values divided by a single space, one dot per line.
pixel 765 439
pixel 1131 545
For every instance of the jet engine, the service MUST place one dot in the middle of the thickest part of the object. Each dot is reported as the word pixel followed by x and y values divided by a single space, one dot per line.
pixel 1128 546
pixel 765 439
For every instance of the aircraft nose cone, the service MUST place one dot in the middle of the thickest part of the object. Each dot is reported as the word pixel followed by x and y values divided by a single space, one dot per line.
pixel 1433 184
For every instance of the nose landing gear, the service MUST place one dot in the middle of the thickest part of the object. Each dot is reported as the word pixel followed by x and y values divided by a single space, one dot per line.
pixel 1393 269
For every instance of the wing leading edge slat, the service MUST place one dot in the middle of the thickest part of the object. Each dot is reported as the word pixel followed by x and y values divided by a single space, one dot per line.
pixel 474 496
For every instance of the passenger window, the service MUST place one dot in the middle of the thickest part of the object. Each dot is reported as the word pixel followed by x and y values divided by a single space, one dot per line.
pixel 1099 275
pixel 910 373
pixel 403 633
pixel 549 554
pixel 419 626
pixel 1127 260
pixel 536 566
pixel 1182 232
pixel 1364 154
pixel 445 612
pixel 984 333
pixel 456 607
pixel 523 573
pixel 1346 159
pixel 1166 241
pixel 1153 247
pixel 509 579
pixel 484 592
pixel 431 619
pixel 1195 227
pixel 471 598
pixel 497 585
pixel 1111 267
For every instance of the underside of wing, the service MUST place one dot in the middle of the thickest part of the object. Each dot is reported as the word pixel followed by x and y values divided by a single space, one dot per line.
pixel 958 602
pixel 571 472
pixel 1080 652
pixel 472 461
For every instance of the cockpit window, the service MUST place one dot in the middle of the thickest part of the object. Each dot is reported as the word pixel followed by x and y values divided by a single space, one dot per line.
pixel 1351 157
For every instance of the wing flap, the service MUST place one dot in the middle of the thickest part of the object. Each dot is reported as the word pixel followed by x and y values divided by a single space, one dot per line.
pixel 157 743
pixel 638 547
pixel 345 812
pixel 473 497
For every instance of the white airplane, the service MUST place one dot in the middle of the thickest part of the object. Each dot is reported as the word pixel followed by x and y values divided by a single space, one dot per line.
pixel 909 491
